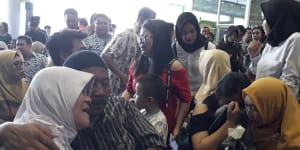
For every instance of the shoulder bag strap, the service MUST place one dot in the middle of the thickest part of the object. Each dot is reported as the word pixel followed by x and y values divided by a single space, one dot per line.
pixel 168 82
pixel 174 50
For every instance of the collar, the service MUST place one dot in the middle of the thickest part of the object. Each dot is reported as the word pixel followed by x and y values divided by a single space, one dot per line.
pixel 33 55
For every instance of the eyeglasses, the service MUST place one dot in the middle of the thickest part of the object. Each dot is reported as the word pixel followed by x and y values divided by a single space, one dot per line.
pixel 143 37
pixel 18 64
pixel 251 107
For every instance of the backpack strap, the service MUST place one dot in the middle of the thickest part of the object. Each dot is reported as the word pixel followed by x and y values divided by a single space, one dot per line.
pixel 168 82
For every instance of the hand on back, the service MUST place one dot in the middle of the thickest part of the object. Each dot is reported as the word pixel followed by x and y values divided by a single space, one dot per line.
pixel 27 137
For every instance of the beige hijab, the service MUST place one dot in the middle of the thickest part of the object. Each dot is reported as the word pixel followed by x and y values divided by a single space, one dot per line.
pixel 10 89
pixel 213 64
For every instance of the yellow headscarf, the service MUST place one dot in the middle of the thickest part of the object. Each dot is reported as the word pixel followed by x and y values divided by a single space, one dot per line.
pixel 280 114
pixel 213 64
pixel 14 91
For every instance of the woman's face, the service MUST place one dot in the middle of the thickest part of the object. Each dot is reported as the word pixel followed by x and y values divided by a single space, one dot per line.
pixel 266 27
pixel 146 42
pixel 81 108
pixel 102 26
pixel 232 38
pixel 253 115
pixel 188 33
pixel 209 37
pixel 18 65
pixel 256 34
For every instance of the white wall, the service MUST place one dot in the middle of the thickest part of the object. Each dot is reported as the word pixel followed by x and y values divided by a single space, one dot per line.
pixel 3 10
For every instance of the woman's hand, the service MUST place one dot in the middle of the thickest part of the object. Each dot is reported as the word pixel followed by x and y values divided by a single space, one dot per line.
pixel 254 48
pixel 233 112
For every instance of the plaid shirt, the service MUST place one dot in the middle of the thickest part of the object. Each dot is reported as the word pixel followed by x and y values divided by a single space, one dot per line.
pixel 123 127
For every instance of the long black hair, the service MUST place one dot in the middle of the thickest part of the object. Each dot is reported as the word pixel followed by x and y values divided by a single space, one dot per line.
pixel 162 52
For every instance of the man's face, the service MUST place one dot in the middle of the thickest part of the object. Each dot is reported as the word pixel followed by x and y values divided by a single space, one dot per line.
pixel 77 45
pixel 204 30
pixel 102 26
pixel 256 34
pixel 248 36
pixel 71 21
pixel 101 90
pixel 48 30
pixel 33 25
pixel 24 47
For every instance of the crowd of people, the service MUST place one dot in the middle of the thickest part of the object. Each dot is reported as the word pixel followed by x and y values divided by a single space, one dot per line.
pixel 149 87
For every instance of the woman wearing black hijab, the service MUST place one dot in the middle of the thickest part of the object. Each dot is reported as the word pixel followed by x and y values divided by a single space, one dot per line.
pixel 233 48
pixel 190 42
pixel 280 58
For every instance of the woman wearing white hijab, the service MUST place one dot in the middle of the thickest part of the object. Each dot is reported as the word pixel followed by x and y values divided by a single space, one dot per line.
pixel 59 98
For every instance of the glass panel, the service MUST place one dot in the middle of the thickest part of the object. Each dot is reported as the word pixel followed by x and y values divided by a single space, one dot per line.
pixel 232 11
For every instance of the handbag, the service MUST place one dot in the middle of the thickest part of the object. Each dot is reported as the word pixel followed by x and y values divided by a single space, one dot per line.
pixel 183 139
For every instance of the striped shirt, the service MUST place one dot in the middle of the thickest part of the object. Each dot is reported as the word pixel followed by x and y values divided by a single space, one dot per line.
pixel 122 127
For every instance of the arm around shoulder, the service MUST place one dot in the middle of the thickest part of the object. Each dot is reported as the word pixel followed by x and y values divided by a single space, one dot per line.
pixel 26 136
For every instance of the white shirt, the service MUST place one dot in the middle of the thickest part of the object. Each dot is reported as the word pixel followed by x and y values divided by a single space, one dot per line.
pixel 191 63
pixel 281 62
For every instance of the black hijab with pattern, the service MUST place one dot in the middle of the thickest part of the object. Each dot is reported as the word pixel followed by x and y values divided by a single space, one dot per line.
pixel 283 18
pixel 187 17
